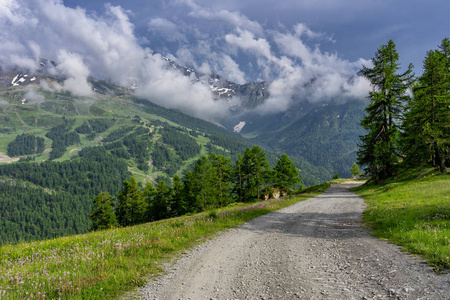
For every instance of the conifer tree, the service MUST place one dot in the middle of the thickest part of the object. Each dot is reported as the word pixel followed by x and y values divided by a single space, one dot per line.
pixel 179 201
pixel 221 166
pixel 237 178
pixel 102 215
pixel 132 207
pixel 286 174
pixel 355 170
pixel 426 126
pixel 148 194
pixel 379 149
pixel 162 199
pixel 255 171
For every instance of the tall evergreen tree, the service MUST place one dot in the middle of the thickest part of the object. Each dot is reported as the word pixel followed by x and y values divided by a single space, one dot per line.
pixel 102 215
pixel 255 171
pixel 205 178
pixel 148 193
pixel 355 170
pixel 179 201
pixel 427 132
pixel 286 174
pixel 379 150
pixel 221 167
pixel 162 199
pixel 237 178
pixel 132 207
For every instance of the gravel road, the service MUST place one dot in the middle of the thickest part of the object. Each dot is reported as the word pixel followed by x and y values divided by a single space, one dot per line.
pixel 315 249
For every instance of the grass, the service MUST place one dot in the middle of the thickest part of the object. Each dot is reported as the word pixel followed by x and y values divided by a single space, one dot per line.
pixel 414 213
pixel 107 264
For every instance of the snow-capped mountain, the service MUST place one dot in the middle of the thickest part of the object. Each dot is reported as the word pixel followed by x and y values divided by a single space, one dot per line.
pixel 323 133
pixel 250 95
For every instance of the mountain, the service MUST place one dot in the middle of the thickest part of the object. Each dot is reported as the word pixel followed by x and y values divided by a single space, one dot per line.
pixel 250 94
pixel 67 149
pixel 324 134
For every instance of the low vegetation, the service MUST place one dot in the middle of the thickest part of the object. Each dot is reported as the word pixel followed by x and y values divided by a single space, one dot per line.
pixel 414 212
pixel 106 264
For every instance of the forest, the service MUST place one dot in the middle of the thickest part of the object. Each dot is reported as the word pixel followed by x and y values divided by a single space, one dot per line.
pixel 54 199
pixel 214 182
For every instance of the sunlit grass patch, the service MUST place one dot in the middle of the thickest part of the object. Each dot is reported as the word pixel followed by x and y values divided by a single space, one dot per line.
pixel 106 264
pixel 414 213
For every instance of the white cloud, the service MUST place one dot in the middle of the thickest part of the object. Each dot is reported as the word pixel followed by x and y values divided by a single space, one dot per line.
pixel 233 18
pixel 71 66
pixel 167 88
pixel 166 29
pixel 106 46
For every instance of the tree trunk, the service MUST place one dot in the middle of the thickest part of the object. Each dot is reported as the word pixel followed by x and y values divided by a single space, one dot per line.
pixel 439 160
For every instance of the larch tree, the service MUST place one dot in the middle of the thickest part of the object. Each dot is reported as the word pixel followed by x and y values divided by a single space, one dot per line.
pixel 132 206
pixel 355 170
pixel 427 124
pixel 379 149
pixel 286 174
pixel 102 215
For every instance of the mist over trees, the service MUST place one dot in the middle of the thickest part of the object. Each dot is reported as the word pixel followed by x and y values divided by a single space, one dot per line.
pixel 412 130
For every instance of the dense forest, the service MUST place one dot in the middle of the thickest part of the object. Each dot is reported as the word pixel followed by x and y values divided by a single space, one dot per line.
pixel 41 199
pixel 26 144
pixel 214 182
pixel 53 199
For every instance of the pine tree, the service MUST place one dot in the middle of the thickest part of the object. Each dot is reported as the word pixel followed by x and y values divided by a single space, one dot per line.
pixel 427 133
pixel 205 179
pixel 237 178
pixel 379 149
pixel 132 207
pixel 161 205
pixel 355 170
pixel 286 174
pixel 255 171
pixel 148 194
pixel 221 166
pixel 102 215
pixel 179 207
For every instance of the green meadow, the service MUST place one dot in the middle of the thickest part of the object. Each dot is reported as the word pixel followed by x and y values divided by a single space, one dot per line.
pixel 107 264
pixel 412 211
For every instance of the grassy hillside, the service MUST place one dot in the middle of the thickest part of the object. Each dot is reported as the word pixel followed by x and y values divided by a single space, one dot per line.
pixel 412 211
pixel 106 264
pixel 325 135
pixel 72 148
pixel 116 109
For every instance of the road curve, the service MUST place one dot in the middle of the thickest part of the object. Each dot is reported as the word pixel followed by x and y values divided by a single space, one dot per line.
pixel 315 249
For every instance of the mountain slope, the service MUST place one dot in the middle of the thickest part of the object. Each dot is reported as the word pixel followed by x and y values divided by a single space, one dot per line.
pixel 72 148
pixel 325 135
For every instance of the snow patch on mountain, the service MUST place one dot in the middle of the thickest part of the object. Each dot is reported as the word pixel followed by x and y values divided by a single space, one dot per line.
pixel 239 126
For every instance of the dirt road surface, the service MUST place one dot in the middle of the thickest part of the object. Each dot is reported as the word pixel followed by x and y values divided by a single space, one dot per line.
pixel 315 249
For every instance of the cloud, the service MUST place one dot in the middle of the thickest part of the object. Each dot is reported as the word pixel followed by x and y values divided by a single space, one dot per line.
pixel 298 72
pixel 233 18
pixel 166 29
pixel 103 46
pixel 33 96
pixel 165 86
pixel 227 42
pixel 71 66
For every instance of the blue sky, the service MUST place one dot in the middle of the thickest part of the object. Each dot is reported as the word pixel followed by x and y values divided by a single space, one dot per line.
pixel 307 50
